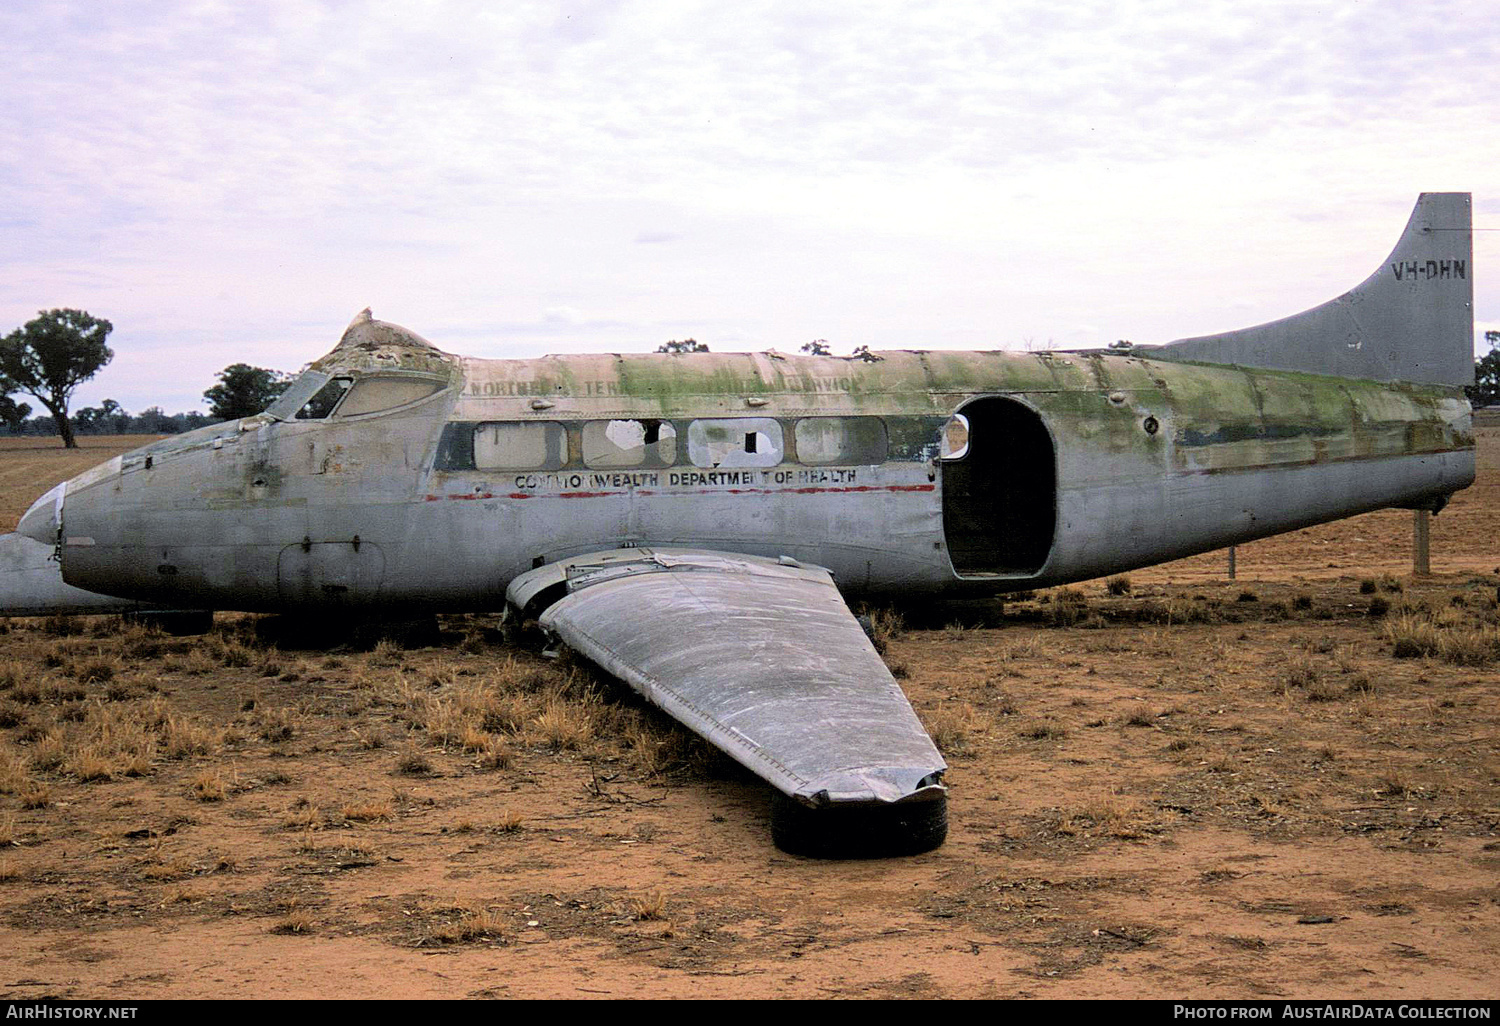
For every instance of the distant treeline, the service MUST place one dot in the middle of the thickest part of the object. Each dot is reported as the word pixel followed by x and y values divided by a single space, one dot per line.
pixel 96 421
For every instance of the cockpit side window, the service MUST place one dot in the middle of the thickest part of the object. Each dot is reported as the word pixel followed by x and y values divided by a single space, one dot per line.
pixel 324 400
pixel 374 394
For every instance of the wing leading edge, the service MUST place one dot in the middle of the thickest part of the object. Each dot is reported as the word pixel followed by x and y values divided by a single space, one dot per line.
pixel 761 658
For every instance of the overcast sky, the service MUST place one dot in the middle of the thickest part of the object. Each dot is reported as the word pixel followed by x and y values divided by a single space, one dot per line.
pixel 233 182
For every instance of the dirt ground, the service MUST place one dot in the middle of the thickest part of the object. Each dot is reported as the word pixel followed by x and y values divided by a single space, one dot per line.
pixel 1287 785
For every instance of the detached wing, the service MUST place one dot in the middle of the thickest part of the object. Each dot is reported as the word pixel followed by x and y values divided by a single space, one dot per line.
pixel 760 657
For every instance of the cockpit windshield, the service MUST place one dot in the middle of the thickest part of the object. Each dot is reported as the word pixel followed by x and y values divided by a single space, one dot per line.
pixel 316 396
pixel 324 400
pixel 374 394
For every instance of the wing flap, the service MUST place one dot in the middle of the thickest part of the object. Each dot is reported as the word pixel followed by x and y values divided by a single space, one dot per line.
pixel 760 657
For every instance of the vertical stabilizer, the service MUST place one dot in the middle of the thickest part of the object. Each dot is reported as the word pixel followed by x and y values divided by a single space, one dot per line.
pixel 1412 320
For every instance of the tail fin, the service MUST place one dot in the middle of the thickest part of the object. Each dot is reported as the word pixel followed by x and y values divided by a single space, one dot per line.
pixel 1412 320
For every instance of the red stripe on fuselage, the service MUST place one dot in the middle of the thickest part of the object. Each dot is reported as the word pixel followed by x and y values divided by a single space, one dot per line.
pixel 472 496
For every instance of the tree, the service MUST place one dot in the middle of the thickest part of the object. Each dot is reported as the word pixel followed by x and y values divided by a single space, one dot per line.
pixel 106 418
pixel 1486 387
pixel 817 347
pixel 244 391
pixel 53 354
pixel 687 345
pixel 12 413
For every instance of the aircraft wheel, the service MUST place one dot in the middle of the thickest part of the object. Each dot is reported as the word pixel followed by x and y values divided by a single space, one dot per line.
pixel 873 831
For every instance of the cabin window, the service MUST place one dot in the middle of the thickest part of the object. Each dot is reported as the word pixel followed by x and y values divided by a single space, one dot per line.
pixel 955 444
pixel 324 400
pixel 530 446
pixel 822 440
pixel 372 395
pixel 610 444
pixel 737 442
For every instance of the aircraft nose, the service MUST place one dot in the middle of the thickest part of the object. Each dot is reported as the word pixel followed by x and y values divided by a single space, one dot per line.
pixel 43 521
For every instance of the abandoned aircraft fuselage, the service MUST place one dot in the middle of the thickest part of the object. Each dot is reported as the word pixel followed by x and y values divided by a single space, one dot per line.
pixel 392 474
pixel 676 517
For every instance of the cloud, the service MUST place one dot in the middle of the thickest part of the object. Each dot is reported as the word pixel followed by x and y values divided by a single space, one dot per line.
pixel 214 175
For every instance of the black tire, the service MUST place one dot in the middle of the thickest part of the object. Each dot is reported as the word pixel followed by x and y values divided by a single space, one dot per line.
pixel 866 831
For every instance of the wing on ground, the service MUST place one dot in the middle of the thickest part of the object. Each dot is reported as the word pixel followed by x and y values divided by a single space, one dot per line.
pixel 763 659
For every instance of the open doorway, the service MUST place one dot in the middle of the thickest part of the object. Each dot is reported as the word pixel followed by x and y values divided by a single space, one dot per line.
pixel 1000 490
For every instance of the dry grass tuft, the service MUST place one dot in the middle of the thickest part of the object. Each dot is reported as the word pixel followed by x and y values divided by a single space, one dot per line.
pixel 1112 817
pixel 1393 784
pixel 209 787
pixel 99 669
pixel 1043 730
pixel 886 625
pixel 161 871
pixel 294 922
pixel 1069 605
pixel 566 725
pixel 648 908
pixel 275 725
pixel 1447 633
pixel 182 737
pixel 368 812
pixel 473 924
pixel 495 755
pixel 414 764
pixel 954 728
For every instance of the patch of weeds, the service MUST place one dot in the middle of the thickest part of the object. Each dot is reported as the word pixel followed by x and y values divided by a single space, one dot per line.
pixel 1393 784
pixel 472 924
pixel 1302 673
pixel 367 812
pixel 97 670
pixel 1042 730
pixel 952 728
pixel 1118 585
pixel 1324 691
pixel 294 922
pixel 275 725
pixel 565 725
pixel 1069 605
pixel 414 764
pixel 209 787
pixel 62 626
pixel 648 908
pixel 496 755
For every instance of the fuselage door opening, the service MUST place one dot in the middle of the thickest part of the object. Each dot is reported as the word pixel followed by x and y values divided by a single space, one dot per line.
pixel 999 486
